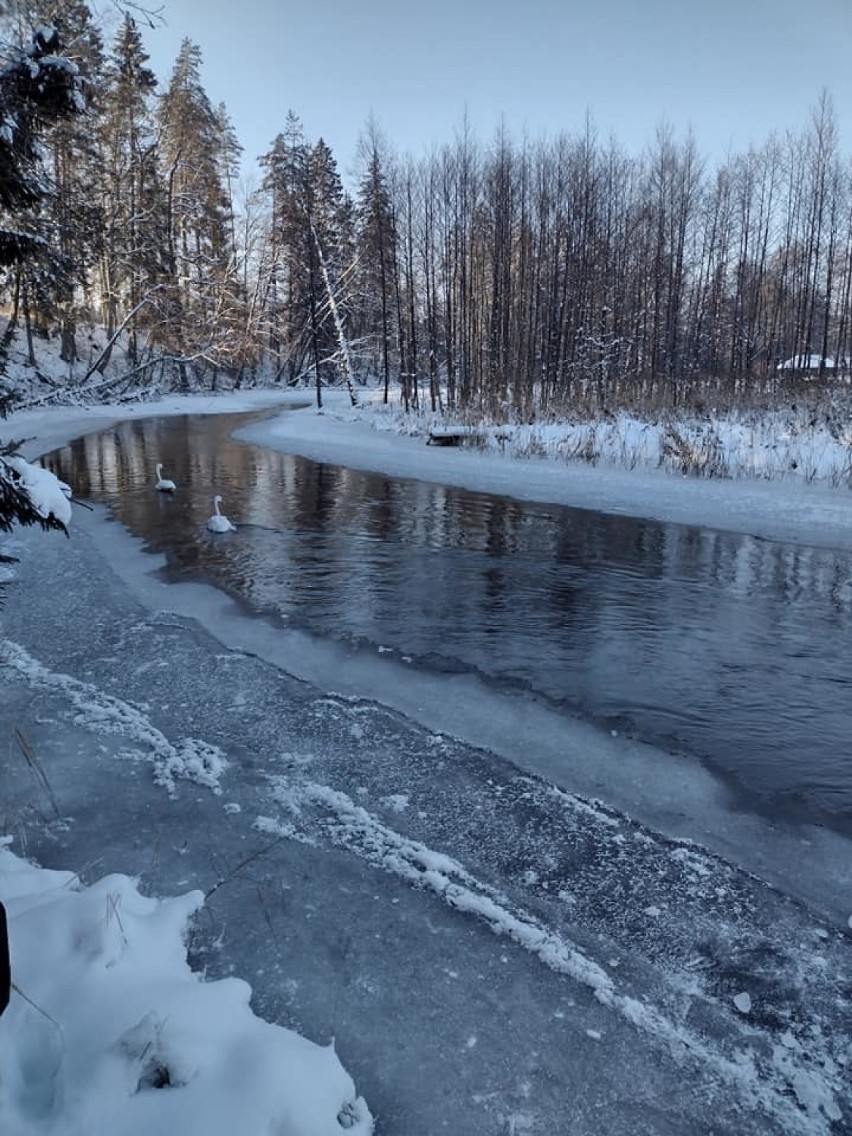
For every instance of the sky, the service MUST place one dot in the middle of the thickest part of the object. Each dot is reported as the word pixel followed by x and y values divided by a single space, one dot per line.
pixel 732 71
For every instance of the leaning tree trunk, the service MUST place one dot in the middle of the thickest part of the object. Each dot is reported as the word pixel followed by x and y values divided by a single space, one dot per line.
pixel 342 341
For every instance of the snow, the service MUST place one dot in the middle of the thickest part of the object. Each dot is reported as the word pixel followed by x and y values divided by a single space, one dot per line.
pixel 45 33
pixel 789 480
pixel 49 496
pixel 418 865
pixel 60 63
pixel 787 475
pixel 110 1030
pixel 189 758
pixel 809 363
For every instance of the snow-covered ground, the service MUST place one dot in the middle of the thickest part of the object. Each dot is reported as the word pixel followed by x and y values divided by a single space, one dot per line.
pixel 134 1041
pixel 109 1032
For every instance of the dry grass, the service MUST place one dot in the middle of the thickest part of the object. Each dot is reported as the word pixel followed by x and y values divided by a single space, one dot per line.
pixel 35 766
pixel 701 457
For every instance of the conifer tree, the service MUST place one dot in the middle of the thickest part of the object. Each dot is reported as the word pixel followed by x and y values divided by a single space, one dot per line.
pixel 133 245
pixel 38 88
pixel 376 241
pixel 329 219
pixel 288 291
pixel 73 218
pixel 235 319
pixel 199 246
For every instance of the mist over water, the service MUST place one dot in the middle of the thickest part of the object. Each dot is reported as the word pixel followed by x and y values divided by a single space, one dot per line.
pixel 724 648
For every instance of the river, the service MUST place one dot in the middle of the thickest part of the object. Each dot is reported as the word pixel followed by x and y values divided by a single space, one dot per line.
pixel 723 649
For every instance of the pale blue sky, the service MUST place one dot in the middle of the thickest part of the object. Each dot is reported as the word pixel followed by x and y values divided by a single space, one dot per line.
pixel 732 70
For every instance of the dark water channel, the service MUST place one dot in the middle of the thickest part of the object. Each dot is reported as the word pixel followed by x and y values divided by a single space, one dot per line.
pixel 730 650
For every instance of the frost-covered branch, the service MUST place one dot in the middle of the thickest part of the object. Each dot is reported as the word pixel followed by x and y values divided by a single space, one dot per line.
pixel 103 358
pixel 30 495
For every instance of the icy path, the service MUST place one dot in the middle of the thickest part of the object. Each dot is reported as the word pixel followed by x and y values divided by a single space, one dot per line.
pixel 491 954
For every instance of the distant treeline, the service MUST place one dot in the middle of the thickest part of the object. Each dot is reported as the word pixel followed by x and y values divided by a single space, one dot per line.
pixel 508 276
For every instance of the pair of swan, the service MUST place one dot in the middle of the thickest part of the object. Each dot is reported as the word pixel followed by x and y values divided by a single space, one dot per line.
pixel 218 523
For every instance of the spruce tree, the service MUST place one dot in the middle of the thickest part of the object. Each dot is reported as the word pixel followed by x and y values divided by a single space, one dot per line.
pixel 376 241
pixel 38 88
pixel 74 220
pixel 133 245
pixel 200 249
pixel 234 348
pixel 329 216
pixel 288 288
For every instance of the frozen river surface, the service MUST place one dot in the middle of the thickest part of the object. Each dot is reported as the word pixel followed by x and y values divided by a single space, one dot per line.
pixel 491 952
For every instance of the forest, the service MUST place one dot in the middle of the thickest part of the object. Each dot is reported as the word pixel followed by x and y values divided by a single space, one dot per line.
pixel 518 279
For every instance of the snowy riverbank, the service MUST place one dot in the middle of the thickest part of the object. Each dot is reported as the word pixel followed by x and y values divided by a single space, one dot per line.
pixel 626 774
pixel 789 483
pixel 777 506
pixel 439 925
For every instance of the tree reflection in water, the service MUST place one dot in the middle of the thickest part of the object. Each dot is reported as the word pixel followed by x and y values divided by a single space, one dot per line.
pixel 731 649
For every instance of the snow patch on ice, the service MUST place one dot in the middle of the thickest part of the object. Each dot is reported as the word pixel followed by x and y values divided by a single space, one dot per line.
pixel 742 1001
pixel 189 759
pixel 353 827
pixel 109 1031
pixel 397 802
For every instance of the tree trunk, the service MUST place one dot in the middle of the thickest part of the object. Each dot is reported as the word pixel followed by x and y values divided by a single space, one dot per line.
pixel 342 341
pixel 31 359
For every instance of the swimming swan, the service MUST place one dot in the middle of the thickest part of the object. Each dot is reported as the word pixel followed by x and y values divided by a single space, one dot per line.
pixel 218 523
pixel 164 484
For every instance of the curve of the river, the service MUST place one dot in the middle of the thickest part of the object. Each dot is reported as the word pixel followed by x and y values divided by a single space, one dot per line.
pixel 723 648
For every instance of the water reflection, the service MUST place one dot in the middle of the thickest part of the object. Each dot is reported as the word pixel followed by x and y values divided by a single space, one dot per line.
pixel 733 649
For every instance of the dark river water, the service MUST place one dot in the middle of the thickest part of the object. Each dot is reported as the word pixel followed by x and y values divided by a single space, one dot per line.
pixel 727 649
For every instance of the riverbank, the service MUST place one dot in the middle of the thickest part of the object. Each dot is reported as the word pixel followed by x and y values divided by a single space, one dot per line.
pixel 787 507
pixel 385 871
pixel 679 798
pixel 370 437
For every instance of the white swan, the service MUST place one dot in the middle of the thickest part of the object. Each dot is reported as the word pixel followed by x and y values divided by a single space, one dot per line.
pixel 219 523
pixel 163 483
